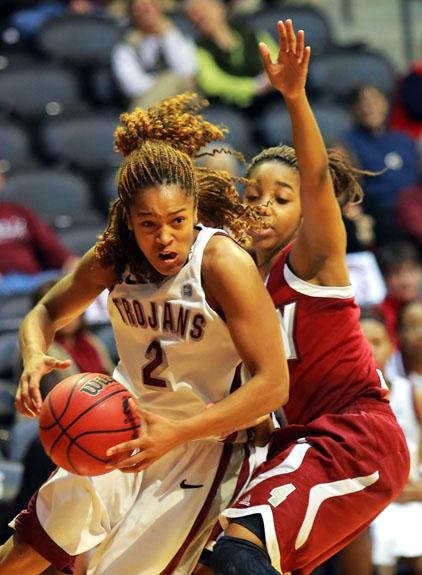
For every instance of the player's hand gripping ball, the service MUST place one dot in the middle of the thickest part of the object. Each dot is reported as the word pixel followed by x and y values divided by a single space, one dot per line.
pixel 82 417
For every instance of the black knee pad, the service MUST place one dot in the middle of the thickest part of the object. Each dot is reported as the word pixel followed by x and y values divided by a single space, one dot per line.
pixel 234 556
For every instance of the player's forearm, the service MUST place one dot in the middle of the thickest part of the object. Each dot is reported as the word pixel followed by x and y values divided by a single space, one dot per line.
pixel 36 332
pixel 258 397
pixel 307 141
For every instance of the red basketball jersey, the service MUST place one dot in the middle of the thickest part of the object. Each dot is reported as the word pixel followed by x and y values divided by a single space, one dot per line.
pixel 321 324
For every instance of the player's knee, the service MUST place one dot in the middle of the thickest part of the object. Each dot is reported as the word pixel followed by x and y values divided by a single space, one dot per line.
pixel 233 556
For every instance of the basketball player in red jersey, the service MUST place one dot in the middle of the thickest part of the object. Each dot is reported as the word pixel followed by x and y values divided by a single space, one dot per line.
pixel 341 457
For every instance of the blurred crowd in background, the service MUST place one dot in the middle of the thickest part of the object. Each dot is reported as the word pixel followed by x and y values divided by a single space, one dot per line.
pixel 69 68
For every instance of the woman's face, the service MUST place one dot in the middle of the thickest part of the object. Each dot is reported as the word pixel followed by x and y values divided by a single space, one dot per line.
pixel 162 219
pixel 206 15
pixel 377 337
pixel 276 186
pixel 410 333
pixel 404 281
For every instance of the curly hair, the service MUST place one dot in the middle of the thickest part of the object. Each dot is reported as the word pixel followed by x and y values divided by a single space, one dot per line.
pixel 159 146
pixel 344 175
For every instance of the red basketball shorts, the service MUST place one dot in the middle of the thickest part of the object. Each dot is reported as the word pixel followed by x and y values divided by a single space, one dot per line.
pixel 325 482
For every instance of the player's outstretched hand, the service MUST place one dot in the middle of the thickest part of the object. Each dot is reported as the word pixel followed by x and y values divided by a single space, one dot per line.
pixel 28 397
pixel 288 74
pixel 158 436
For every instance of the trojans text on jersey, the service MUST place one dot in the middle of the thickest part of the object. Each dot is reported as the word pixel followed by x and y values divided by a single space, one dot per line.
pixel 169 317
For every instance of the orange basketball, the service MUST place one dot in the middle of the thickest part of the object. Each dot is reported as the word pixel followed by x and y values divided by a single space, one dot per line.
pixel 82 417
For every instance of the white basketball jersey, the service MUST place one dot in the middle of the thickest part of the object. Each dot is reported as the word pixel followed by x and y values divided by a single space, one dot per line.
pixel 176 353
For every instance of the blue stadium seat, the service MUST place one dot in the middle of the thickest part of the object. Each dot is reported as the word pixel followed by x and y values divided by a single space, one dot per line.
pixel 313 21
pixel 332 118
pixel 334 76
pixel 80 239
pixel 61 198
pixel 32 93
pixel 85 143
pixel 240 134
pixel 15 148
pixel 79 39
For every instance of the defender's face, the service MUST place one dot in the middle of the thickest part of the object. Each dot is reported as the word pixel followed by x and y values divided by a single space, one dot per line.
pixel 162 219
pixel 276 187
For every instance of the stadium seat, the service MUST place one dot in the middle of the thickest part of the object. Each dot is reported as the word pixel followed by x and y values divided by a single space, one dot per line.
pixel 32 93
pixel 9 353
pixel 15 149
pixel 78 239
pixel 309 18
pixel 333 121
pixel 7 406
pixel 16 58
pixel 336 75
pixel 107 191
pixel 11 473
pixel 14 306
pixel 102 88
pixel 79 39
pixel 85 143
pixel 60 198
pixel 240 134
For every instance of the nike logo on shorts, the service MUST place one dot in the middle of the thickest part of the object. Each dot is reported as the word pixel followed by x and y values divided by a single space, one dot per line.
pixel 185 485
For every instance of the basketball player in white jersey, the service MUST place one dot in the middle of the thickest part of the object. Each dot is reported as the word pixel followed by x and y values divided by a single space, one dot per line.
pixel 183 323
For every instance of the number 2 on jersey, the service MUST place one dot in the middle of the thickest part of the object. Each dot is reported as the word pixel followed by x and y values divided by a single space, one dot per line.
pixel 155 366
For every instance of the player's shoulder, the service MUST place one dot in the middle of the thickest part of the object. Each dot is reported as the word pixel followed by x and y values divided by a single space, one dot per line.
pixel 90 266
pixel 223 253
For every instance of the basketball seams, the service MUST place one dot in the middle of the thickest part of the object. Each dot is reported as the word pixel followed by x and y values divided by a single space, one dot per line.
pixel 64 430
pixel 73 442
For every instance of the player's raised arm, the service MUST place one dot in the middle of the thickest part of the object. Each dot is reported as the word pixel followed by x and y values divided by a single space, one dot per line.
pixel 321 241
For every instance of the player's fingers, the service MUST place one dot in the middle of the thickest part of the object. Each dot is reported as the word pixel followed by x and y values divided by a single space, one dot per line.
pixel 24 402
pixel 265 54
pixel 300 44
pixel 62 364
pixel 120 448
pixel 34 395
pixel 282 37
pixel 306 57
pixel 291 36
pixel 131 464
pixel 21 406
pixel 51 363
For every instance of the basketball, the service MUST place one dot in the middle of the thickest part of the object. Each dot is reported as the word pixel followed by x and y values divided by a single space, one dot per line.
pixel 82 417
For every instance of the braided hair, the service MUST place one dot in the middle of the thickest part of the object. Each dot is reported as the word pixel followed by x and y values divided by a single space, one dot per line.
pixel 159 146
pixel 344 175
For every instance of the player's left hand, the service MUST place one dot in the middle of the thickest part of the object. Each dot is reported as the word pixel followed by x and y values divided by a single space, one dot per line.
pixel 288 74
pixel 158 435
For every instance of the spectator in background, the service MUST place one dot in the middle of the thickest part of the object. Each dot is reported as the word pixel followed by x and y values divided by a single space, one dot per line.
pixel 380 149
pixel 406 112
pixel 154 60
pixel 407 361
pixel 30 16
pixel 408 211
pixel 365 275
pixel 396 531
pixel 402 272
pixel 229 64
pixel 31 252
